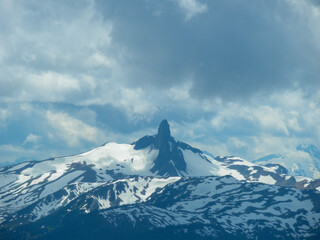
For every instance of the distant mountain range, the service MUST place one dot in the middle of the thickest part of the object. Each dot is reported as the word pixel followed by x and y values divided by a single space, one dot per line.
pixel 308 166
pixel 155 188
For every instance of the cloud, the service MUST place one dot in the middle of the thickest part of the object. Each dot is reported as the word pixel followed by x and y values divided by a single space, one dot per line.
pixel 4 114
pixel 10 148
pixel 192 8
pixel 86 54
pixel 267 125
pixel 49 86
pixel 285 113
pixel 32 138
pixel 227 74
pixel 49 48
pixel 72 130
pixel 235 52
pixel 11 153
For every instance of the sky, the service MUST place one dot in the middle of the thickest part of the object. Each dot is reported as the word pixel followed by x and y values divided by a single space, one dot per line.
pixel 232 77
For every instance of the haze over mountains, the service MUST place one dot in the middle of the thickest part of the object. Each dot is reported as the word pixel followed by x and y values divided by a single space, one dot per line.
pixel 309 166
pixel 155 187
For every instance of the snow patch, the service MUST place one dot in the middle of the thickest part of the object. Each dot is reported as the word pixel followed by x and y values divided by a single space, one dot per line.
pixel 267 180
pixel 60 183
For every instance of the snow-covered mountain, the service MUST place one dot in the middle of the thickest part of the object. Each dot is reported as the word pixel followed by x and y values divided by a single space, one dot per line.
pixel 304 162
pixel 179 208
pixel 156 185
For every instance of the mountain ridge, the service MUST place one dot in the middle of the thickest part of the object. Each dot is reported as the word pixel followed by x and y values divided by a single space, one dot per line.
pixel 110 180
pixel 307 165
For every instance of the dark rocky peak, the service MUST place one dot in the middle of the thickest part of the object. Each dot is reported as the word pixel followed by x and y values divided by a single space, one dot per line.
pixel 160 140
pixel 164 129
pixel 164 134
pixel 163 140
pixel 170 160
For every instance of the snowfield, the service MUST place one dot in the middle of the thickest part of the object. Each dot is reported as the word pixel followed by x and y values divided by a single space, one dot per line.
pixel 159 183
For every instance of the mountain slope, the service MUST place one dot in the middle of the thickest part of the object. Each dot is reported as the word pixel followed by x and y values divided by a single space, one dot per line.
pixel 158 155
pixel 155 183
pixel 189 208
pixel 306 164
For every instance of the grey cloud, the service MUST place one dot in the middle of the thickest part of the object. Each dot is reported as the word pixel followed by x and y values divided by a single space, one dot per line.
pixel 234 50
pixel 316 2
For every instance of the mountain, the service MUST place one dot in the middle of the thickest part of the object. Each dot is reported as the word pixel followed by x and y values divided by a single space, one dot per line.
pixel 314 154
pixel 306 165
pixel 157 188
pixel 181 208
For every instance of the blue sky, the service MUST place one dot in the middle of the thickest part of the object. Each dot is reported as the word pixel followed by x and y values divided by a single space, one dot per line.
pixel 232 77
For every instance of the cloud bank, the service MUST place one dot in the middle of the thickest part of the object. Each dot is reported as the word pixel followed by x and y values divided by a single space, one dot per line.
pixel 233 77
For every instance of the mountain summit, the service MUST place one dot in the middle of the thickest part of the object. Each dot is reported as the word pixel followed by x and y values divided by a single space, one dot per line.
pixel 170 161
pixel 155 188
pixel 164 134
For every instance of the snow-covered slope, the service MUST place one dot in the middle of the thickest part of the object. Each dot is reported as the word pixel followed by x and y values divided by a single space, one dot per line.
pixel 26 183
pixel 185 208
pixel 273 174
pixel 158 155
pixel 114 176
pixel 103 196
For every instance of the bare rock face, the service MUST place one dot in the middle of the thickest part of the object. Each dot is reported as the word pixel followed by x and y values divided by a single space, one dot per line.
pixel 164 135
pixel 170 161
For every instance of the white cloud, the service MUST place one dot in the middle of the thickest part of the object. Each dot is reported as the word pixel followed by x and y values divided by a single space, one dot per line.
pixel 135 101
pixel 53 81
pixel 4 115
pixel 219 123
pixel 192 8
pixel 72 130
pixel 97 59
pixel 237 142
pixel 181 92
pixel 49 86
pixel 293 122
pixel 10 148
pixel 67 58
pixel 54 50
pixel 311 12
pixel 10 153
pixel 268 118
pixel 194 130
pixel 32 138
pixel 283 118
pixel 26 107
